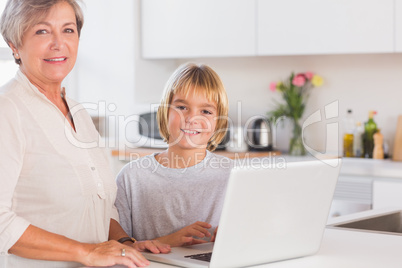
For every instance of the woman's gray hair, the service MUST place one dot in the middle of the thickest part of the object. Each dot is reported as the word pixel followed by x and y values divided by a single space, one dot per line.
pixel 19 15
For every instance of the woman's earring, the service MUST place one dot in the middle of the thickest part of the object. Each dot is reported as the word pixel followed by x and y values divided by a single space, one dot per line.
pixel 17 55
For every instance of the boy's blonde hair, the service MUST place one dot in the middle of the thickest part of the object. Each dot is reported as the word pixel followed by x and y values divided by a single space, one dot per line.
pixel 202 78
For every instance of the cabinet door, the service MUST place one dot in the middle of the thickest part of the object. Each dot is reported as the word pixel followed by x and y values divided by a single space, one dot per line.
pixel 352 194
pixel 197 28
pixel 387 194
pixel 398 25
pixel 325 27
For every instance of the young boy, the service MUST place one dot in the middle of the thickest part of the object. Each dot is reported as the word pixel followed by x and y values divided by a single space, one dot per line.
pixel 176 196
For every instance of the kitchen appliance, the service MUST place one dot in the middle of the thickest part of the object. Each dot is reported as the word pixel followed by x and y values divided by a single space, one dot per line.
pixel 259 134
pixel 237 141
pixel 142 129
pixel 149 131
pixel 225 141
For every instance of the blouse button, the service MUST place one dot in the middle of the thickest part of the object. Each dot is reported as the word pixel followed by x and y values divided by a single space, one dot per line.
pixel 93 168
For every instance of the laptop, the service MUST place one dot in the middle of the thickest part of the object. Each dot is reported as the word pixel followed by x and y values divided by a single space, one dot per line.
pixel 270 214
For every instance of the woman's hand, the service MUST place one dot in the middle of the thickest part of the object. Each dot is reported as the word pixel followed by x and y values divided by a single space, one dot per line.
pixel 151 245
pixel 185 236
pixel 111 253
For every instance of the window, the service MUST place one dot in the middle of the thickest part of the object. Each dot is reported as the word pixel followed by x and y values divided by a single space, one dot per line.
pixel 8 67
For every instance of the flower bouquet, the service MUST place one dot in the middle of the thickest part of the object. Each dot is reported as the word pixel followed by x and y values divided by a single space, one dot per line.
pixel 294 91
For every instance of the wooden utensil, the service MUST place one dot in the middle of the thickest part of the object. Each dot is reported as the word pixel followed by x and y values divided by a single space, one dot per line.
pixel 397 154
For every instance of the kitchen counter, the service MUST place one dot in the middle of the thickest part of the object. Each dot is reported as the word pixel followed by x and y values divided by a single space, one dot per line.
pixel 140 152
pixel 372 167
pixel 364 184
pixel 347 249
pixel 385 168
pixel 121 157
pixel 353 166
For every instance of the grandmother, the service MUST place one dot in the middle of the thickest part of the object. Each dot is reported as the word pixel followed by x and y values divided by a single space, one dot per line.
pixel 56 199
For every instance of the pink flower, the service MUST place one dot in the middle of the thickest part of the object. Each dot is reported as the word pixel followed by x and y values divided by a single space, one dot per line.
pixel 299 80
pixel 309 75
pixel 272 86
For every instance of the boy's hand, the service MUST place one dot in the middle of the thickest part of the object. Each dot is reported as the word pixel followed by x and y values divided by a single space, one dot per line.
pixel 153 246
pixel 214 236
pixel 185 236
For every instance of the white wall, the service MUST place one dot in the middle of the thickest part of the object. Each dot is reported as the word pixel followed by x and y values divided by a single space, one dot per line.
pixel 110 68
pixel 110 72
pixel 109 65
pixel 358 82
pixel 105 66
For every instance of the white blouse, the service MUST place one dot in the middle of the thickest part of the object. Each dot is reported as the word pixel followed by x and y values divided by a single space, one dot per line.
pixel 50 176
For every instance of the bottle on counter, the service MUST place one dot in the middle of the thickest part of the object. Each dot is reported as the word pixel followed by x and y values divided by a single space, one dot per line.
pixel 370 127
pixel 385 147
pixel 358 140
pixel 378 151
pixel 348 135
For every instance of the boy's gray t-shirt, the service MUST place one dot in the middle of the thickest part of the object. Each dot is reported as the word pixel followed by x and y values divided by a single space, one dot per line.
pixel 155 201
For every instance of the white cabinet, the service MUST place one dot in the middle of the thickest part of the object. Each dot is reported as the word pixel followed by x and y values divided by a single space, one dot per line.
pixel 344 207
pixel 387 194
pixel 197 28
pixel 289 27
pixel 398 25
pixel 352 194
pixel 225 28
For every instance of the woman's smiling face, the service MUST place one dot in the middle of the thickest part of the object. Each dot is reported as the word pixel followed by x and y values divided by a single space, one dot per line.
pixel 192 120
pixel 49 48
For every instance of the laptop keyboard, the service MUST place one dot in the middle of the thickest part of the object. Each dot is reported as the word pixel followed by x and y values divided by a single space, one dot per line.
pixel 201 257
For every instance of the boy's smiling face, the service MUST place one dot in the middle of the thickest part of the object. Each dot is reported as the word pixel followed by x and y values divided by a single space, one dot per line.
pixel 192 120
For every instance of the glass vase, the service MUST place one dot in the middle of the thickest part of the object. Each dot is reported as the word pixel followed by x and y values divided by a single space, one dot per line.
pixel 296 146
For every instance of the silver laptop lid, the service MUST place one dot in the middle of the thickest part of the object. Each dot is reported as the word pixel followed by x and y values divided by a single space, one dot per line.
pixel 274 213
